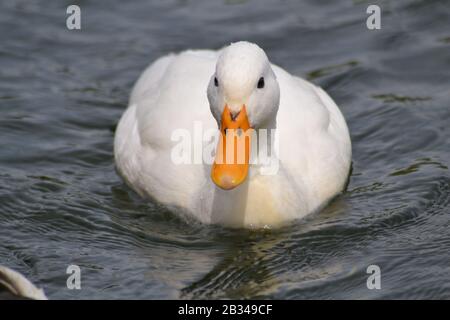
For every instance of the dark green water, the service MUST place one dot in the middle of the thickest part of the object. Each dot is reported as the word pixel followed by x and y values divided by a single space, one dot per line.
pixel 61 202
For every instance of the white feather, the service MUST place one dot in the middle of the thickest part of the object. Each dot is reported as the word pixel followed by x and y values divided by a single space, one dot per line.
pixel 314 142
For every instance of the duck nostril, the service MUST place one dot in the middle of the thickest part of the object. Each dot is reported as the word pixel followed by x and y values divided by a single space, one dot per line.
pixel 234 115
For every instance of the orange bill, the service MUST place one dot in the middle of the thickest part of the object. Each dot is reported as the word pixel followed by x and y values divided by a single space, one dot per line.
pixel 230 167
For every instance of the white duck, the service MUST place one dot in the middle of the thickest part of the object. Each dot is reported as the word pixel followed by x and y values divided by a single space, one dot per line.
pixel 235 87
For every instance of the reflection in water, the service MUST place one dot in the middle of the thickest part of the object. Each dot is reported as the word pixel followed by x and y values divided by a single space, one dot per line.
pixel 245 270
pixel 324 71
pixel 387 98
pixel 256 264
pixel 416 166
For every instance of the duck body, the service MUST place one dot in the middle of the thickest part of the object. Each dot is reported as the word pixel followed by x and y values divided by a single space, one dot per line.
pixel 314 147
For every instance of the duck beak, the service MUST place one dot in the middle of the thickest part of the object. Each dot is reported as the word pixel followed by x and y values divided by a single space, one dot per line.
pixel 230 167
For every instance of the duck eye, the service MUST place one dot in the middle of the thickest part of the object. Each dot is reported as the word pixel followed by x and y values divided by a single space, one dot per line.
pixel 216 82
pixel 261 83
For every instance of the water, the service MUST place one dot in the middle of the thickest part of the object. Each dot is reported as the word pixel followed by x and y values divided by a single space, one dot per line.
pixel 61 201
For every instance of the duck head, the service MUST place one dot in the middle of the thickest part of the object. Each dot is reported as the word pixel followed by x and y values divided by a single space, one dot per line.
pixel 244 96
